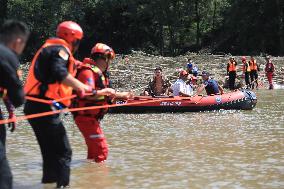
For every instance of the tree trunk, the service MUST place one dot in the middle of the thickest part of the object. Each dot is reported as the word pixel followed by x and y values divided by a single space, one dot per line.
pixel 172 40
pixel 214 15
pixel 197 16
pixel 280 5
pixel 161 39
pixel 3 10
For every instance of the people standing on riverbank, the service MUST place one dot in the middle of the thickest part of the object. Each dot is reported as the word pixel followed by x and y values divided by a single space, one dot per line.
pixel 51 76
pixel 189 66
pixel 269 71
pixel 254 68
pixel 13 37
pixel 93 73
pixel 232 72
pixel 246 72
pixel 192 68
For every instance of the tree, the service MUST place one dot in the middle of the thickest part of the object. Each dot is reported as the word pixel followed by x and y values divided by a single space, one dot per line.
pixel 3 10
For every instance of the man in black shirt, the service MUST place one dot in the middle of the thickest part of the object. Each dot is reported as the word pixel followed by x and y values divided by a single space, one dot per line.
pixel 13 37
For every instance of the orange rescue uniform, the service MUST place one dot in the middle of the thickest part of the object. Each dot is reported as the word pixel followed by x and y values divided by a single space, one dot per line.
pixel 56 90
pixel 88 121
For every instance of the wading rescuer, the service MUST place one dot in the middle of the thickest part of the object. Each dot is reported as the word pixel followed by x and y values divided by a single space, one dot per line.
pixel 51 76
pixel 246 71
pixel 232 72
pixel 269 70
pixel 13 37
pixel 254 68
pixel 94 72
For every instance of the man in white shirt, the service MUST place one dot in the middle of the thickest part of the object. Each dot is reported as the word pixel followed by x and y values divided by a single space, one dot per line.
pixel 181 86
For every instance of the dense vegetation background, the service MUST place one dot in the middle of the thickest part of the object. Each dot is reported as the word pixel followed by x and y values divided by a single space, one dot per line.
pixel 166 27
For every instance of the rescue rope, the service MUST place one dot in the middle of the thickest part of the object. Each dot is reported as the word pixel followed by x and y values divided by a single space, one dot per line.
pixel 31 116
pixel 52 101
pixel 146 99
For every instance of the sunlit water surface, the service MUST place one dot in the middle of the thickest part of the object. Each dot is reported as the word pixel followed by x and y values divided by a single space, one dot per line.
pixel 222 149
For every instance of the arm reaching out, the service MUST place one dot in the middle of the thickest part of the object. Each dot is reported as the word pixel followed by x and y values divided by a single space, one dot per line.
pixel 124 95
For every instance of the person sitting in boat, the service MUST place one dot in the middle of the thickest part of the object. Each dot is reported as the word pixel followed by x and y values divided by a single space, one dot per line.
pixel 182 86
pixel 159 85
pixel 210 85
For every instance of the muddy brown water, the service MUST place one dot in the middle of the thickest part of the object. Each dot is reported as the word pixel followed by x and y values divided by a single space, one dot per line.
pixel 221 149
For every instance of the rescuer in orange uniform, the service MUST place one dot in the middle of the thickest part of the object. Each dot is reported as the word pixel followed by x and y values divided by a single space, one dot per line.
pixel 246 72
pixel 232 72
pixel 51 76
pixel 94 72
pixel 269 70
pixel 254 68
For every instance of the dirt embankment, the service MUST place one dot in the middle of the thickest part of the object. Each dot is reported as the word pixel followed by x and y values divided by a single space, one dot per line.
pixel 138 70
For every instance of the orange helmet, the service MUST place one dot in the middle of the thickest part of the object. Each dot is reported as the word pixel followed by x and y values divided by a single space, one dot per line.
pixel 104 50
pixel 69 31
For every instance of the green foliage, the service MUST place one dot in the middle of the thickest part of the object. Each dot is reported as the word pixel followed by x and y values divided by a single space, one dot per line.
pixel 167 27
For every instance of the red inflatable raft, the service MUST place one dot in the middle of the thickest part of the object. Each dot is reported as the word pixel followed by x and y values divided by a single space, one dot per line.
pixel 238 100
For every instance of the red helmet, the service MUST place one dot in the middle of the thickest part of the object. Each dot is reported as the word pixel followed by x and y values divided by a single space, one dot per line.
pixel 243 58
pixel 69 31
pixel 183 73
pixel 103 49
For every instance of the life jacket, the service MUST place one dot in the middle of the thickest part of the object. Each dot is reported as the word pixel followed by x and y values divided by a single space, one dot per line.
pixel 253 65
pixel 54 90
pixel 101 81
pixel 232 66
pixel 246 67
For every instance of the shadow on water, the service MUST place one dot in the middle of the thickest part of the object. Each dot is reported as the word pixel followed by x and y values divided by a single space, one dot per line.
pixel 221 149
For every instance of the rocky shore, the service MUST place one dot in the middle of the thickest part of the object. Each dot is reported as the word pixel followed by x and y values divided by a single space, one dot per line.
pixel 135 73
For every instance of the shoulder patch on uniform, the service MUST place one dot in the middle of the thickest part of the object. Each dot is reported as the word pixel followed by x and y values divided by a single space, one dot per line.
pixel 64 55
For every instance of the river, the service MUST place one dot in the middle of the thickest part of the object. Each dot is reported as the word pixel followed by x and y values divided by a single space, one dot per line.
pixel 221 149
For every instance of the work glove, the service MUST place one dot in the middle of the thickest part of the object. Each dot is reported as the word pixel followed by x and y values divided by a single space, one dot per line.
pixel 12 125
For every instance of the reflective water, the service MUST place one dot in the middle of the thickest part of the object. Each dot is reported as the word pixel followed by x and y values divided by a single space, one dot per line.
pixel 223 149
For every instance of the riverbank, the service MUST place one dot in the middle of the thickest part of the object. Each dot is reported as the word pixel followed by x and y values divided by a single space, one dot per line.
pixel 138 70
